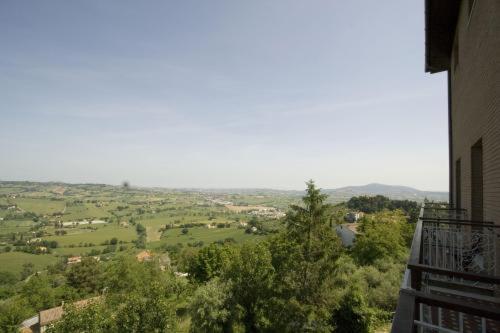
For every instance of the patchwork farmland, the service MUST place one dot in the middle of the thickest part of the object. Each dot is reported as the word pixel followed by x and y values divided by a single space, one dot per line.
pixel 45 223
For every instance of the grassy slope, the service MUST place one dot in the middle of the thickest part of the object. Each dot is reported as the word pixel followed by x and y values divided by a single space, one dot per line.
pixel 40 206
pixel 174 236
pixel 13 261
pixel 103 233
pixel 85 211
pixel 75 251
pixel 7 227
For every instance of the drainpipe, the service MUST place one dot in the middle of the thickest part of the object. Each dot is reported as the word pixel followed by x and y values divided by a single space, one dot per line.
pixel 450 141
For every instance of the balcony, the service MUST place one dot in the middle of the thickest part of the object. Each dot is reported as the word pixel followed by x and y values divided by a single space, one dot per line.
pixel 450 284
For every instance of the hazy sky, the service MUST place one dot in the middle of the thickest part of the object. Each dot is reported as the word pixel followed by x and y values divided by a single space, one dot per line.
pixel 220 93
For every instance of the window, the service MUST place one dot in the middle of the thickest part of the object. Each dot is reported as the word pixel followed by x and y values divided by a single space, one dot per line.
pixel 458 184
pixel 477 181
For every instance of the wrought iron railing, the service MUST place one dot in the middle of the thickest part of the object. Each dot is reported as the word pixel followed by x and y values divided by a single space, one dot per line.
pixel 459 246
pixel 443 211
pixel 450 283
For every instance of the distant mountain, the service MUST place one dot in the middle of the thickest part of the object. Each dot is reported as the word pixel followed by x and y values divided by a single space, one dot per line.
pixel 342 193
pixel 390 191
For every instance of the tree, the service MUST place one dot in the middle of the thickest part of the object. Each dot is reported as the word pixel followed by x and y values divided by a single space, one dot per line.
pixel 140 228
pixel 210 307
pixel 287 257
pixel 11 314
pixel 125 274
pixel 95 317
pixel 209 262
pixel 85 275
pixel 141 232
pixel 309 232
pixel 147 312
pixel 254 222
pixel 381 237
pixel 377 203
pixel 38 293
pixel 28 270
pixel 381 284
pixel 130 304
pixel 140 242
pixel 7 278
pixel 352 314
pixel 251 274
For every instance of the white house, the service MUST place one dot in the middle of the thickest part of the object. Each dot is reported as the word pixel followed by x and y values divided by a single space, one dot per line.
pixel 353 216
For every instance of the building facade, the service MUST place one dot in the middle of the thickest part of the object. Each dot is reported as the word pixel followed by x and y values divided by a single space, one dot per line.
pixel 452 280
pixel 474 87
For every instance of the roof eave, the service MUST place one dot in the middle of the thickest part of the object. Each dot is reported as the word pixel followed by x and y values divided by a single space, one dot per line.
pixel 440 23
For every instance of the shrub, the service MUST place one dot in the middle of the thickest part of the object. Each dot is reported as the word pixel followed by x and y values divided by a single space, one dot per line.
pixel 352 315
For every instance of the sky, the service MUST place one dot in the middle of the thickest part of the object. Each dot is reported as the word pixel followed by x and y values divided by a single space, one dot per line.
pixel 220 94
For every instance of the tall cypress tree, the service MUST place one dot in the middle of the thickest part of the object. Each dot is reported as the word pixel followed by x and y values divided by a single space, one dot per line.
pixel 308 226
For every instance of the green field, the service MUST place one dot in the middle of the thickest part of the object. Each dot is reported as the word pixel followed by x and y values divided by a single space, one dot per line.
pixel 15 226
pixel 85 211
pixel 40 206
pixel 75 251
pixel 13 261
pixel 79 235
pixel 207 236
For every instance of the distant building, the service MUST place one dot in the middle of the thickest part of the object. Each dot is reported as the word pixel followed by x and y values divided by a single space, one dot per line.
pixel 42 249
pixel 353 216
pixel 144 256
pixel 74 260
pixel 34 240
pixel 347 233
pixel 83 222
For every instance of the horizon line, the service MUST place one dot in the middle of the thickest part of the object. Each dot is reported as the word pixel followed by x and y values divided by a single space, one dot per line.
pixel 213 188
